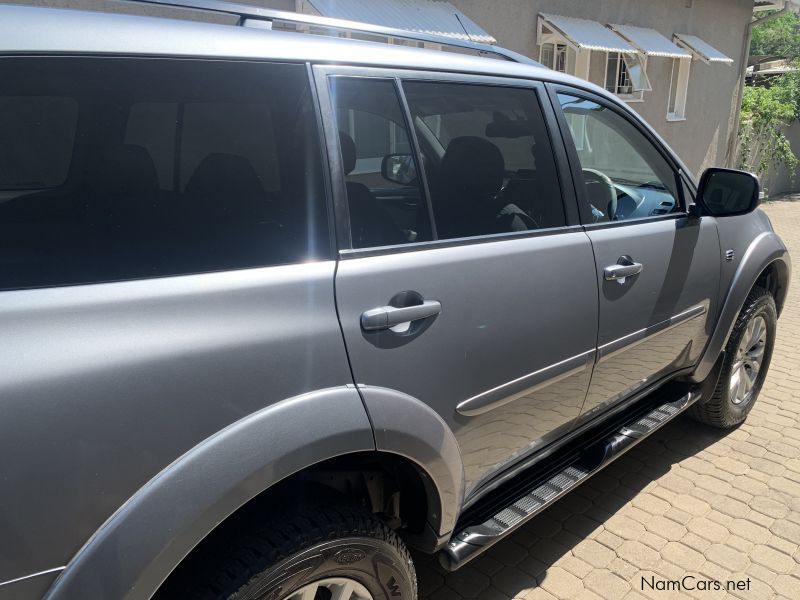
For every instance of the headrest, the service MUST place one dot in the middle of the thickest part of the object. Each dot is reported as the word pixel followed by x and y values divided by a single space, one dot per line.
pixel 228 174
pixel 348 147
pixel 473 165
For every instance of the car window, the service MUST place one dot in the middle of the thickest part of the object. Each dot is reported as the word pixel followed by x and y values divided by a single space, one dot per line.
pixel 125 168
pixel 487 157
pixel 386 202
pixel 43 130
pixel 624 175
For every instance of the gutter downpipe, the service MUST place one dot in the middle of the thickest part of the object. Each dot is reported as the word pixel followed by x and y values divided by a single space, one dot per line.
pixel 733 134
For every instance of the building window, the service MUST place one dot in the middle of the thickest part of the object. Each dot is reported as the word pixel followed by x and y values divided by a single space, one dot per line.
pixel 678 89
pixel 626 76
pixel 558 57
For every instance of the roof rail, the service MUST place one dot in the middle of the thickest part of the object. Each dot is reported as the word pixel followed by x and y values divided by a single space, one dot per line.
pixel 250 15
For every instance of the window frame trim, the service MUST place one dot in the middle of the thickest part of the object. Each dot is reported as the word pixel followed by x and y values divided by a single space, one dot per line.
pixel 566 185
pixel 574 161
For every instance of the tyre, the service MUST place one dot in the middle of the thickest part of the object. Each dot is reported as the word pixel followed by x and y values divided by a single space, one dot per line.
pixel 745 365
pixel 335 553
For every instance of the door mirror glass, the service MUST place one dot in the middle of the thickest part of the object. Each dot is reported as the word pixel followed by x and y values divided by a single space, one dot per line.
pixel 727 192
pixel 399 168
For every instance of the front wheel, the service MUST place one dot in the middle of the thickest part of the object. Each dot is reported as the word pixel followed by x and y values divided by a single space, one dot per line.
pixel 334 553
pixel 747 357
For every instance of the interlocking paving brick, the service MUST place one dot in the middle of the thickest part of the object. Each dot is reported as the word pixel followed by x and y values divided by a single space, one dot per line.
pixel 594 553
pixel 688 500
pixel 560 581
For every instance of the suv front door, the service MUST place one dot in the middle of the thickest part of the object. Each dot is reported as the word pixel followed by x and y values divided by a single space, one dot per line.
pixel 657 268
pixel 500 267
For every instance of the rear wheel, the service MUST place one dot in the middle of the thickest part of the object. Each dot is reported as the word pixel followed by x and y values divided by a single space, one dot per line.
pixel 334 553
pixel 747 358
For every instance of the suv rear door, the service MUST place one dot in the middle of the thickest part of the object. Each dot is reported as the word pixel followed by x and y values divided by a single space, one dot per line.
pixel 657 268
pixel 496 267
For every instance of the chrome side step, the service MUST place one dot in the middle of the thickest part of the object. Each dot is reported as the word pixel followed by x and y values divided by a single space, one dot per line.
pixel 474 539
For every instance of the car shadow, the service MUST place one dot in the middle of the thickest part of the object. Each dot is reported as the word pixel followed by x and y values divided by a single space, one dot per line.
pixel 521 561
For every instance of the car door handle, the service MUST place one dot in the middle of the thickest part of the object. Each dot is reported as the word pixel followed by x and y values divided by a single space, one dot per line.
pixel 386 317
pixel 624 268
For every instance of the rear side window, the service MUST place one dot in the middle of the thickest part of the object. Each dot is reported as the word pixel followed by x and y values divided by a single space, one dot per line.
pixel 115 169
pixel 385 198
pixel 487 156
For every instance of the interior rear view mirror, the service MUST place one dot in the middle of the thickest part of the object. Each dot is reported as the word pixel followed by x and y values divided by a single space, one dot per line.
pixel 728 192
pixel 399 168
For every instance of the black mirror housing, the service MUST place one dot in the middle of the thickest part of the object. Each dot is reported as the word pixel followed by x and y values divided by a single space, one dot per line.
pixel 399 168
pixel 728 192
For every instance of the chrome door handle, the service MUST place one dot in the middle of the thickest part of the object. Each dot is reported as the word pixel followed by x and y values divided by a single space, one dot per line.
pixel 624 268
pixel 386 317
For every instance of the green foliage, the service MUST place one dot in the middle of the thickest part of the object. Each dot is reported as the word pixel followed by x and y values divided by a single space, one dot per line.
pixel 765 114
pixel 767 111
pixel 779 37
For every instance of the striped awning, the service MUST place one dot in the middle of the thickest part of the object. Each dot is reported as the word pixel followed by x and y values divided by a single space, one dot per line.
pixel 585 34
pixel 650 42
pixel 701 49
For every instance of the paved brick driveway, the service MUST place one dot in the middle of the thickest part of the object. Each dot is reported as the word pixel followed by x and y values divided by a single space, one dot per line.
pixel 691 500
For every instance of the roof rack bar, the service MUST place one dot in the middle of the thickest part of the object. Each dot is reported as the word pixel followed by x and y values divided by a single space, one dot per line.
pixel 247 11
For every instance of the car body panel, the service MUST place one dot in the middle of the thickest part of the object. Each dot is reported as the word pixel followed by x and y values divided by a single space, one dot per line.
pixel 755 247
pixel 110 383
pixel 142 542
pixel 485 338
pixel 34 585
pixel 654 322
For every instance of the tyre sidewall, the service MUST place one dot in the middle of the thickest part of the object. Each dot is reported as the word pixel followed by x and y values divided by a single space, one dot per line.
pixel 374 563
pixel 762 306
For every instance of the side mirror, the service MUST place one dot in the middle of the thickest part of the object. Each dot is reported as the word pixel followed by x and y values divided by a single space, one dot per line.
pixel 728 192
pixel 399 168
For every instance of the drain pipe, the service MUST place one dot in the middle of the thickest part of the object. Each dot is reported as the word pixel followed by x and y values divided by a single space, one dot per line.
pixel 733 134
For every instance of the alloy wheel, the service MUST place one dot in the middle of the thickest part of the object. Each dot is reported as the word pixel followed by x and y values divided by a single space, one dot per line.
pixel 748 361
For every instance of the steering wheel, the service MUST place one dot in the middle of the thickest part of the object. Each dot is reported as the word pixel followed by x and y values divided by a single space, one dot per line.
pixel 601 191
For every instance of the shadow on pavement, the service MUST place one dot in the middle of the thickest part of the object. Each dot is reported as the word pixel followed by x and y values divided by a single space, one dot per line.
pixel 520 562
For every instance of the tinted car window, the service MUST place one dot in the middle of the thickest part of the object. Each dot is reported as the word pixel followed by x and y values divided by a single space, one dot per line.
pixel 487 156
pixel 385 198
pixel 115 169
pixel 624 175
pixel 43 131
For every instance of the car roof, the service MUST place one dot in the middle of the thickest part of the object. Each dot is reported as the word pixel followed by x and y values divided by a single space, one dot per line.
pixel 28 29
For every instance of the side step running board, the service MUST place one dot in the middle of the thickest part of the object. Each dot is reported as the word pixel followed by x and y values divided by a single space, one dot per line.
pixel 474 539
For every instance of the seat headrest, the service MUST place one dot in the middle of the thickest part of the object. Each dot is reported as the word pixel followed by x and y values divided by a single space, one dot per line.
pixel 227 175
pixel 473 165
pixel 348 147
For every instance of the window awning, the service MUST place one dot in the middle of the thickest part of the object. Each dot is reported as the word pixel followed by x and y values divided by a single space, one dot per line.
pixel 650 42
pixel 701 49
pixel 585 34
pixel 426 16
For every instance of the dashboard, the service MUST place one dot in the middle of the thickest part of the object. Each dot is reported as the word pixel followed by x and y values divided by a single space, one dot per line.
pixel 645 200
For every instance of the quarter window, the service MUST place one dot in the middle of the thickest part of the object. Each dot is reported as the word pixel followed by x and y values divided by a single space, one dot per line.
pixel 624 175
pixel 116 169
pixel 487 157
pixel 384 188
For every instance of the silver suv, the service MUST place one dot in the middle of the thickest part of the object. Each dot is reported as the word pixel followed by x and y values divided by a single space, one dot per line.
pixel 276 306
